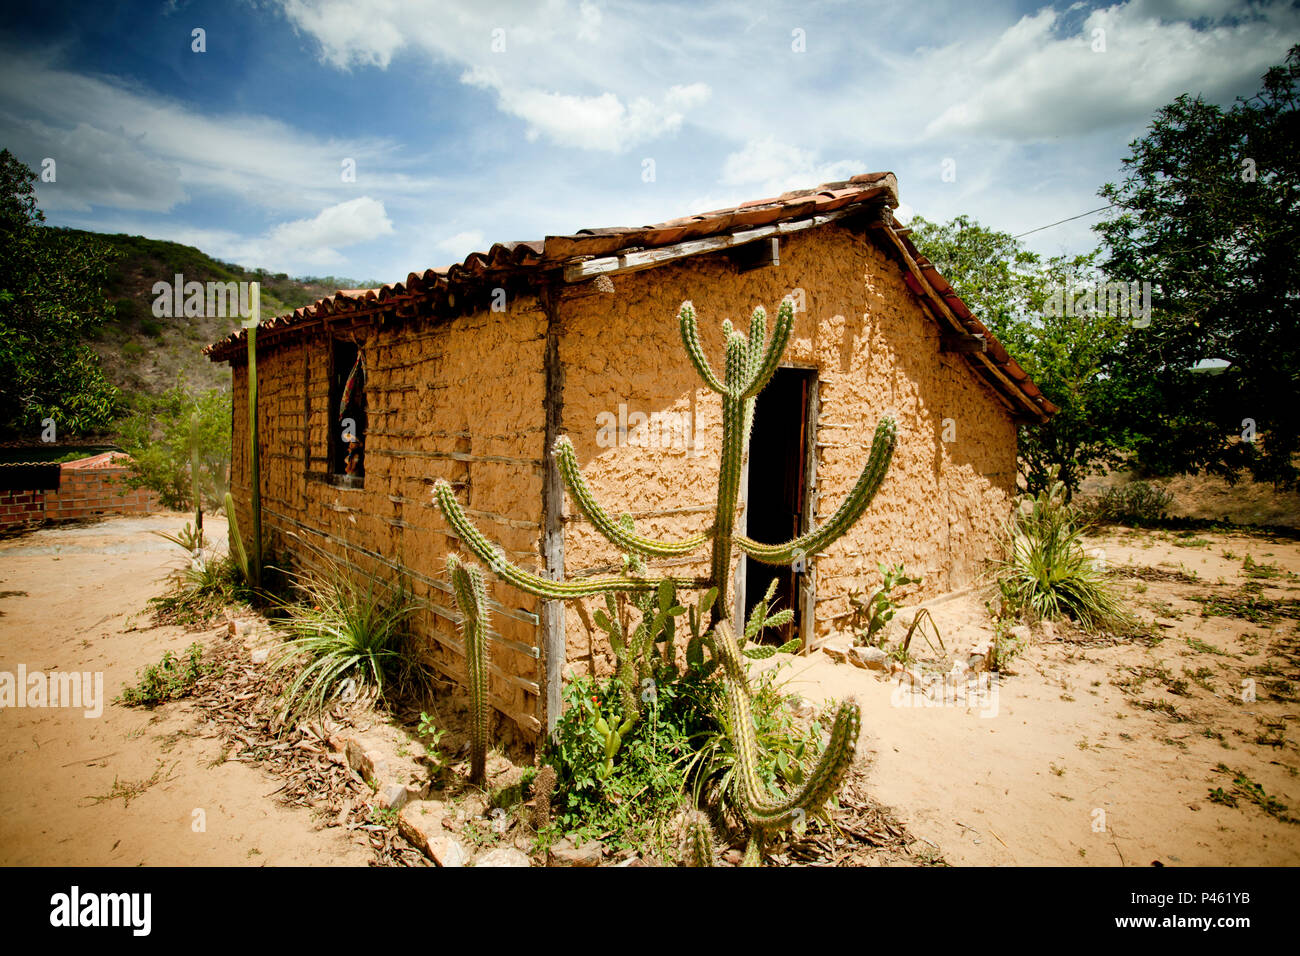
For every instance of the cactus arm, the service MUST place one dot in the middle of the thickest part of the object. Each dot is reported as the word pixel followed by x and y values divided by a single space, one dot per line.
pixel 526 581
pixel 471 598
pixel 757 345
pixel 691 339
pixel 733 450
pixel 755 801
pixel 774 353
pixel 613 531
pixel 236 541
pixel 849 511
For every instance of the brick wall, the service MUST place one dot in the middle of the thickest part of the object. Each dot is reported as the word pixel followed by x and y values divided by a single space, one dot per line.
pixel 20 509
pixel 89 488
pixel 94 492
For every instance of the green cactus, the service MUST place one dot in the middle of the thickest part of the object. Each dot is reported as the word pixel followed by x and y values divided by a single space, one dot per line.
pixel 750 363
pixel 471 598
pixel 237 543
pixel 699 840
pixel 760 811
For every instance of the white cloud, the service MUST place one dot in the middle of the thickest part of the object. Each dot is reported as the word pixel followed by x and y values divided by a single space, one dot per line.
pixel 779 167
pixel 128 148
pixel 457 247
pixel 515 51
pixel 1039 80
pixel 588 21
pixel 601 122
pixel 357 220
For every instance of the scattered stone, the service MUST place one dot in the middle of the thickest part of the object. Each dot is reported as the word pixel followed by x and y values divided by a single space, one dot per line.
pixel 836 651
pixel 869 658
pixel 1022 633
pixel 241 628
pixel 260 655
pixel 448 852
pixel 1049 630
pixel 565 853
pixel 368 763
pixel 1166 622
pixel 503 856
pixel 394 797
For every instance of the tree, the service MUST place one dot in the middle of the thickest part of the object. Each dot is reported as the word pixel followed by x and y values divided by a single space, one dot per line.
pixel 158 437
pixel 1067 352
pixel 997 276
pixel 50 298
pixel 1209 214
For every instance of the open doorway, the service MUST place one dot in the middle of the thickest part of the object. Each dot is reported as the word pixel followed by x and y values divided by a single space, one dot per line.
pixel 776 489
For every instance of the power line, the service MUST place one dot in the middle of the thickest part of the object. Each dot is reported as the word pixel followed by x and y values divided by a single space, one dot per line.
pixel 1059 221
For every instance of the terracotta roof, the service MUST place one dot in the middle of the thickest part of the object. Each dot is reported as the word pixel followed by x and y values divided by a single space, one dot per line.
pixel 109 459
pixel 434 290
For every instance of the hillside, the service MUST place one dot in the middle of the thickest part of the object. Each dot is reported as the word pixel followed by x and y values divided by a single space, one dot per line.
pixel 144 354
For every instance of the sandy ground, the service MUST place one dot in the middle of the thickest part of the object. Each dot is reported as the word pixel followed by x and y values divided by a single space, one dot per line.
pixel 73 599
pixel 1064 767
pixel 1088 754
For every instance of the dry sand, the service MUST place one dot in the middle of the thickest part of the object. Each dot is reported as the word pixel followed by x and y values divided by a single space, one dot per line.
pixel 1071 769
pixel 73 598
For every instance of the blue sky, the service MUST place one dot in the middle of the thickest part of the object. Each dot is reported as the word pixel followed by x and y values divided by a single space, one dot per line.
pixel 472 123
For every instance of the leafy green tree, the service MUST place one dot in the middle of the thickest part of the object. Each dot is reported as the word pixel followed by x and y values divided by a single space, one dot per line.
pixel 50 298
pixel 1209 214
pixel 998 277
pixel 1068 353
pixel 156 434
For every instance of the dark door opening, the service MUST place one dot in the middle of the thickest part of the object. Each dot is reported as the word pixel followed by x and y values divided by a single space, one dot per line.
pixel 775 491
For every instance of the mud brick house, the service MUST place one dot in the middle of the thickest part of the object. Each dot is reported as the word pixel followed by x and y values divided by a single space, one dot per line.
pixel 470 373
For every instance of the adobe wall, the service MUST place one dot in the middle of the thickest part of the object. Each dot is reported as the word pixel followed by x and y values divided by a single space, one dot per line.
pixel 874 349
pixel 460 400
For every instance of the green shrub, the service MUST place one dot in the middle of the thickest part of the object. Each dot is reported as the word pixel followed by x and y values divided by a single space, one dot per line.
pixel 157 435
pixel 170 679
pixel 342 628
pixel 872 614
pixel 1135 504
pixel 1046 572
pixel 631 806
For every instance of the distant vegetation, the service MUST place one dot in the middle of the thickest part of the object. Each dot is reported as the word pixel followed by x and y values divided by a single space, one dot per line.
pixel 144 354
pixel 80 344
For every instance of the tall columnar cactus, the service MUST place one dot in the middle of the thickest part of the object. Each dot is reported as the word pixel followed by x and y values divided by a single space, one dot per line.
pixel 471 598
pixel 196 484
pixel 699 840
pixel 750 363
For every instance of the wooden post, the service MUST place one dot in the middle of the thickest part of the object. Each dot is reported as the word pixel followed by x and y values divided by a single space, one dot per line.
pixel 808 584
pixel 554 648
pixel 254 455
